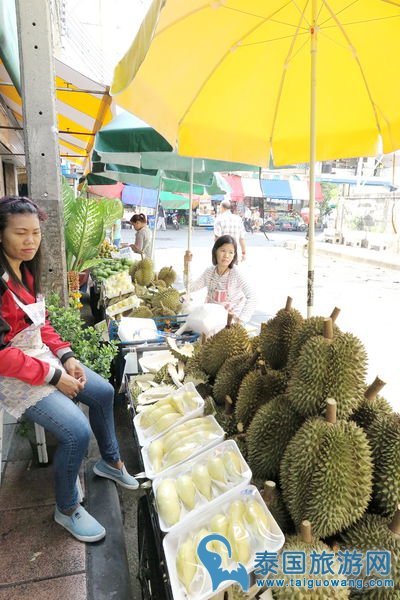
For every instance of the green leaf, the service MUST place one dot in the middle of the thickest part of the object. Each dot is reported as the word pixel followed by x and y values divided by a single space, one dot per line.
pixel 112 209
pixel 88 264
pixel 84 231
pixel 68 199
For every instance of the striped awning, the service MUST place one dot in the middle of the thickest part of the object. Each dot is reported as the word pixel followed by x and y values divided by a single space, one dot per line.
pixel 82 105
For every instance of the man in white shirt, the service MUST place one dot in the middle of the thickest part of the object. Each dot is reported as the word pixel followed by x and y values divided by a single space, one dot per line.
pixel 229 224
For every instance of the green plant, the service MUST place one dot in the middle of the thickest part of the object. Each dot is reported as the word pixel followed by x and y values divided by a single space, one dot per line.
pixel 86 221
pixel 86 342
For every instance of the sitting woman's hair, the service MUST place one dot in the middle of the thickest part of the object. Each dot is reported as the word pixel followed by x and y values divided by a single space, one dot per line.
pixel 141 218
pixel 19 205
pixel 225 239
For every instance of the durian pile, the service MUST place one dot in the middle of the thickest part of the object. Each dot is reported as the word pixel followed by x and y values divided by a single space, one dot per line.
pixel 295 400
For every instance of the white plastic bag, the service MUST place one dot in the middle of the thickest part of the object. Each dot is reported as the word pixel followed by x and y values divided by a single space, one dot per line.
pixel 133 329
pixel 207 318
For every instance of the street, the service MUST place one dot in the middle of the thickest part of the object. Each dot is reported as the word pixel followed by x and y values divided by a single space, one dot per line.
pixel 368 296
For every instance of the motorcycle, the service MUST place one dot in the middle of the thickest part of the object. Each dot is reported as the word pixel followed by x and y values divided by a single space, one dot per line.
pixel 173 220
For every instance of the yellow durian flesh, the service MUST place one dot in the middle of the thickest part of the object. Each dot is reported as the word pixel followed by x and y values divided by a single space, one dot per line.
pixel 147 421
pixel 197 539
pixel 257 518
pixel 166 421
pixel 216 469
pixel 232 463
pixel 179 454
pixel 202 480
pixel 186 563
pixel 200 437
pixel 168 502
pixel 237 509
pixel 186 491
pixel 219 524
pixel 239 540
pixel 155 454
pixel 179 405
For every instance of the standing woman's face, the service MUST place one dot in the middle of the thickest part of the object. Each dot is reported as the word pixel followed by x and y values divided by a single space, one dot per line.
pixel 21 237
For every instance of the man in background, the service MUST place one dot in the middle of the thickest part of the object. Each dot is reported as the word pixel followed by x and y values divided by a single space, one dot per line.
pixel 161 218
pixel 229 224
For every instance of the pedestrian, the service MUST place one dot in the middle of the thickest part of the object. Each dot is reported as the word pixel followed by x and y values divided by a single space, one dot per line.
pixel 161 218
pixel 225 283
pixel 229 224
pixel 116 233
pixel 40 379
pixel 142 243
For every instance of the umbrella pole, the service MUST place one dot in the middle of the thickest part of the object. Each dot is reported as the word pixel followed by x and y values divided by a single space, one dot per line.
pixel 313 147
pixel 153 239
pixel 188 253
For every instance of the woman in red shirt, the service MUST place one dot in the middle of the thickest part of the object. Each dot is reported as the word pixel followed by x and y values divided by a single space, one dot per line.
pixel 39 375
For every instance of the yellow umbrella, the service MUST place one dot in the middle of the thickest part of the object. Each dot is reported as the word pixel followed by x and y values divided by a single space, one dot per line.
pixel 238 80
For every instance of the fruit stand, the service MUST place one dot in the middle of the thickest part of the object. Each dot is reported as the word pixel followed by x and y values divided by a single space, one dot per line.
pixel 276 443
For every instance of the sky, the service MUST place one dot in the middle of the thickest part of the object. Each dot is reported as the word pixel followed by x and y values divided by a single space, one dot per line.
pixel 98 33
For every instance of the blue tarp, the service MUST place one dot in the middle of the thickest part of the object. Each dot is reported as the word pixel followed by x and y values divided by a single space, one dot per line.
pixel 135 195
pixel 276 188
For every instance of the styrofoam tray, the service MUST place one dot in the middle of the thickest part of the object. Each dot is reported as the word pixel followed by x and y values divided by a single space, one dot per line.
pixel 145 436
pixel 154 361
pixel 201 588
pixel 219 437
pixel 218 489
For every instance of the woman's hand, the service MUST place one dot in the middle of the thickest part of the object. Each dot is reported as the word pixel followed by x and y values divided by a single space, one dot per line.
pixel 69 386
pixel 75 369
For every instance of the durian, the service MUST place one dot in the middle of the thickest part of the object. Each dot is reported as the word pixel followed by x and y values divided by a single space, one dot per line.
pixel 163 376
pixel 270 431
pixel 225 417
pixel 219 524
pixel 186 490
pixel 256 389
pixel 167 299
pixel 227 343
pixel 216 469
pixel 329 366
pixel 273 499
pixel 374 532
pixel 144 272
pixel 163 311
pixel 230 375
pixel 371 406
pixel 326 473
pixel 237 534
pixel 277 334
pixel 308 545
pixel 142 312
pixel 183 352
pixel 168 275
pixel 384 437
pixel 159 284
pixel 313 326
pixel 186 563
pixel 202 480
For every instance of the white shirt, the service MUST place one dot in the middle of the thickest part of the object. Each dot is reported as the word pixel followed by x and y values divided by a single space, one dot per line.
pixel 240 294
pixel 229 224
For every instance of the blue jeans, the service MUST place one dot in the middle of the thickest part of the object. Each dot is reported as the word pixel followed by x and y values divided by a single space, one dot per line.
pixel 59 415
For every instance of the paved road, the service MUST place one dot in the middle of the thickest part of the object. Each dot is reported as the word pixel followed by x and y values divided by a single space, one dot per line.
pixel 369 296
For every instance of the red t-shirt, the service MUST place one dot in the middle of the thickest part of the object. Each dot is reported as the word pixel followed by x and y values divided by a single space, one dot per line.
pixel 13 361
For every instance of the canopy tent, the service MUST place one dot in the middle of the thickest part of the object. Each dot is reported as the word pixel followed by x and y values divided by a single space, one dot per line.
pixel 107 191
pixel 134 195
pixel 268 78
pixel 82 104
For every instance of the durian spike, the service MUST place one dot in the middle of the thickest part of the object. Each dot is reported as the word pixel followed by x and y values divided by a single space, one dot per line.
pixel 306 532
pixel 328 329
pixel 269 491
pixel 395 524
pixel 374 389
pixel 228 406
pixel 203 338
pixel 289 302
pixel 331 408
pixel 334 314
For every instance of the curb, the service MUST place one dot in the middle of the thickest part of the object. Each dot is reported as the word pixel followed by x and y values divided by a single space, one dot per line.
pixel 107 566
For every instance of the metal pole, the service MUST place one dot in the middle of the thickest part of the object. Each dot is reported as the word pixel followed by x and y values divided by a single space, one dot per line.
pixel 188 253
pixel 313 147
pixel 153 239
pixel 41 135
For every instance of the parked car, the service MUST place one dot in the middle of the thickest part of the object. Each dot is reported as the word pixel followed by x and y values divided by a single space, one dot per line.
pixel 290 224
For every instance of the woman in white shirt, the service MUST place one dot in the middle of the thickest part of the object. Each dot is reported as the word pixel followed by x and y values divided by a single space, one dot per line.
pixel 225 283
pixel 142 243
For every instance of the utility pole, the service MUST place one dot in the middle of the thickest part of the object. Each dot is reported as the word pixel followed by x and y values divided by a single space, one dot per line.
pixel 41 134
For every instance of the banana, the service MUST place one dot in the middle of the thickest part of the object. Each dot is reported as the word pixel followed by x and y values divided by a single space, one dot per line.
pixel 186 491
pixel 202 480
pixel 168 502
pixel 186 563
pixel 216 469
